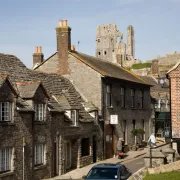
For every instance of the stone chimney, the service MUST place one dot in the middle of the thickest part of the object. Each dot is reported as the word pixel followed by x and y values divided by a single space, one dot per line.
pixel 63 35
pixel 155 67
pixel 38 55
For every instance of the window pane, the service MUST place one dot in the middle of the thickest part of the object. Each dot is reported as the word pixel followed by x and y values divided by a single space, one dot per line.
pixel 6 109
pixel 39 154
pixel 40 110
pixel 5 159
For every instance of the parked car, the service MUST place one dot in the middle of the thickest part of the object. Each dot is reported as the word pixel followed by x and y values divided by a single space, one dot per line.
pixel 108 171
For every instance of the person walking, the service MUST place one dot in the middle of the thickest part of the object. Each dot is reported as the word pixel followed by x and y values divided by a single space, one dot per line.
pixel 152 140
pixel 119 148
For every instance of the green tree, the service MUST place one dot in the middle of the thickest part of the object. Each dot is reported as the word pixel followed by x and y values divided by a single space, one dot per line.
pixel 138 133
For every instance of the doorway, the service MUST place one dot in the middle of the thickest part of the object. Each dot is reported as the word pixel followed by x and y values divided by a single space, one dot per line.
pixel 94 149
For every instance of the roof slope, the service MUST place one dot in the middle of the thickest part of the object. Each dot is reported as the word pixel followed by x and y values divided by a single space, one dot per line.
pixel 27 89
pixel 54 84
pixel 108 69
pixel 174 67
pixel 156 88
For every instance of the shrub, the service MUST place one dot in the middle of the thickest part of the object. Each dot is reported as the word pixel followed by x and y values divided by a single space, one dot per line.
pixel 138 133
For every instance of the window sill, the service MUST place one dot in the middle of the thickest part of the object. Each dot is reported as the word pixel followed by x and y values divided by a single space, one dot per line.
pixel 40 167
pixel 9 173
pixel 40 122
pixel 109 107
pixel 7 123
pixel 74 126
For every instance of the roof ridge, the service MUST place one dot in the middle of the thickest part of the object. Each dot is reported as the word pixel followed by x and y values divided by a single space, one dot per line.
pixel 130 72
pixel 44 61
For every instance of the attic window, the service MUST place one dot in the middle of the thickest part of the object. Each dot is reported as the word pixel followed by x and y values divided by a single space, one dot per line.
pixel 40 110
pixel 5 111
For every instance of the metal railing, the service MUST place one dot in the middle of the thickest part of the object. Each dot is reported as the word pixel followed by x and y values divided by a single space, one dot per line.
pixel 150 149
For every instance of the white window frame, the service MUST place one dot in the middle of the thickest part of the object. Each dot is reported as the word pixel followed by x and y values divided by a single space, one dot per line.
pixel 5 111
pixel 40 110
pixel 6 159
pixel 39 154
pixel 74 118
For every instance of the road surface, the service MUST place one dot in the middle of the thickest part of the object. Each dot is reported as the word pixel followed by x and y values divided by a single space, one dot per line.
pixel 135 164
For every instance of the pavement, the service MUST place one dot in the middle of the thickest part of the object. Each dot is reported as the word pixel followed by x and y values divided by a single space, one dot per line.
pixel 78 173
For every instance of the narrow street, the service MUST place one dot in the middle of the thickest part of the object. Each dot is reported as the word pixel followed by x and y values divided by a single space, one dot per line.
pixel 135 165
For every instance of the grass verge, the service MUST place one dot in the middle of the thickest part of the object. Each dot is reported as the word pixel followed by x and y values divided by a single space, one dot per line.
pixel 164 176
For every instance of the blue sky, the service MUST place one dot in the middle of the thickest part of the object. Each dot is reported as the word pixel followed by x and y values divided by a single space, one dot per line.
pixel 26 24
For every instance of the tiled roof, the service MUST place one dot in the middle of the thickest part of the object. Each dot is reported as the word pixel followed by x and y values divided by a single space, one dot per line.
pixel 108 69
pixel 3 78
pixel 103 67
pixel 174 67
pixel 54 84
pixel 23 106
pixel 62 100
pixel 89 106
pixel 27 89
pixel 156 88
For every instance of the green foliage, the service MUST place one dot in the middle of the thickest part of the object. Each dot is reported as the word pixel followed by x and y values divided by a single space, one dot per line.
pixel 169 175
pixel 141 65
pixel 138 133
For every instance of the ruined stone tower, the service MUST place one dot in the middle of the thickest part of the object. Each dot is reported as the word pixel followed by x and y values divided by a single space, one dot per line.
pixel 107 38
pixel 111 47
pixel 130 41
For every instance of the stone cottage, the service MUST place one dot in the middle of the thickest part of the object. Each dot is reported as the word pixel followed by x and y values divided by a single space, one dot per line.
pixel 122 98
pixel 46 128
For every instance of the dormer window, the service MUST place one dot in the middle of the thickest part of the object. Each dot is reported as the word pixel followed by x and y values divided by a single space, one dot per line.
pixel 5 111
pixel 74 117
pixel 40 110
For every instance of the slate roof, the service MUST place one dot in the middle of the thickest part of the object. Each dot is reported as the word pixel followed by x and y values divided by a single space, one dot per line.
pixel 108 69
pixel 27 89
pixel 3 78
pixel 156 88
pixel 105 68
pixel 54 84
pixel 23 106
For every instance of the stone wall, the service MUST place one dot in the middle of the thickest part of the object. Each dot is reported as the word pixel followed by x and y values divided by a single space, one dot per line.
pixel 86 80
pixel 128 113
pixel 12 134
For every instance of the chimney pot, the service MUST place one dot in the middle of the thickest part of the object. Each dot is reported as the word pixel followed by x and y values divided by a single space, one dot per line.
pixel 60 23
pixel 72 48
pixel 40 49
pixel 36 49
pixel 65 23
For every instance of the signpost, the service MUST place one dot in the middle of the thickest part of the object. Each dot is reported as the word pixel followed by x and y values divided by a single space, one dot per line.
pixel 113 119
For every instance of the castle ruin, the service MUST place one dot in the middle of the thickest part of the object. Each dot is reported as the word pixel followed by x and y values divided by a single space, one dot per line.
pixel 111 47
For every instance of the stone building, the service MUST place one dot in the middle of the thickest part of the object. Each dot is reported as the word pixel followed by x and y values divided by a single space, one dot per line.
pixel 117 93
pixel 46 128
pixel 110 45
